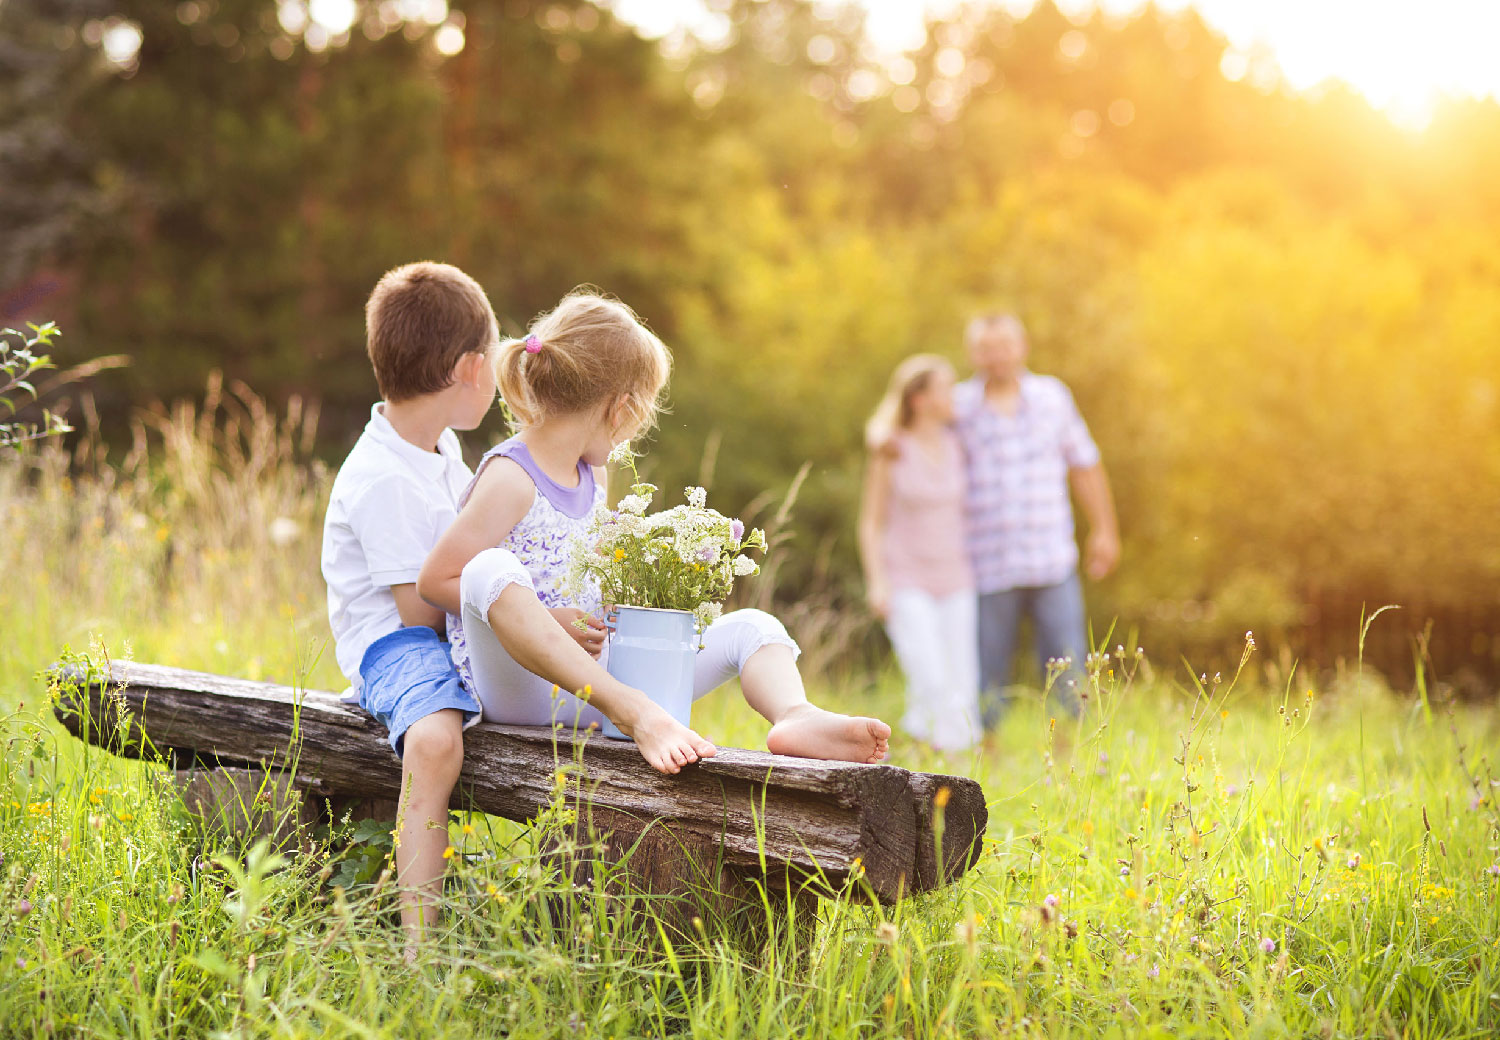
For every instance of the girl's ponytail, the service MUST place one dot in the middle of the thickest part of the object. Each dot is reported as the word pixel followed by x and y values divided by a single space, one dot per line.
pixel 511 379
pixel 588 350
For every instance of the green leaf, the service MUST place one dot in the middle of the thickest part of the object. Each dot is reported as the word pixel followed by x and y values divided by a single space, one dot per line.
pixel 215 963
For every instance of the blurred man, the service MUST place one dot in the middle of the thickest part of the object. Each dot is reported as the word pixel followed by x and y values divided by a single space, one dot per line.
pixel 1025 445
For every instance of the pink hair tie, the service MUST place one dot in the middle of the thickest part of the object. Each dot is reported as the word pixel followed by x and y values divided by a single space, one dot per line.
pixel 533 345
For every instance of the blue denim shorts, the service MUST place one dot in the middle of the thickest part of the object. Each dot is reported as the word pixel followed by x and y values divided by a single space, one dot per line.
pixel 407 675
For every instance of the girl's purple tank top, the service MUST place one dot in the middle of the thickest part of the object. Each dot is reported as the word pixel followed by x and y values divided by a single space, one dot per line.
pixel 573 501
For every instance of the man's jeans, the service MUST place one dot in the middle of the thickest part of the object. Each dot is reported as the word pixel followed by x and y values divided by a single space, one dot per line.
pixel 1057 615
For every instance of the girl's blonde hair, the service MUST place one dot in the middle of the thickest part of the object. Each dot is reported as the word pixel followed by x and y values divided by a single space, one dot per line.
pixel 894 412
pixel 588 349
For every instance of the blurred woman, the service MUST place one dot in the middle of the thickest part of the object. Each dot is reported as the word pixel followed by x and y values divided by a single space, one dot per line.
pixel 911 541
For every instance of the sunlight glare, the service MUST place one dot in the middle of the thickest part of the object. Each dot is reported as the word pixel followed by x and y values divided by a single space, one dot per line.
pixel 449 40
pixel 121 43
pixel 1402 55
pixel 335 16
pixel 292 14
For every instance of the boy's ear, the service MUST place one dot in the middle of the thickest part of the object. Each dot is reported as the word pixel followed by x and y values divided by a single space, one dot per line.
pixel 466 370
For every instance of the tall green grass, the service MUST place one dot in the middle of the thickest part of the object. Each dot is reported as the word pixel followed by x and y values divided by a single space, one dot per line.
pixel 1197 857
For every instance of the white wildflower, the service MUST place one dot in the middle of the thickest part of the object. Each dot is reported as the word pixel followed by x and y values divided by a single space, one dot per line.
pixel 744 565
pixel 621 454
pixel 697 497
pixel 635 505
pixel 283 531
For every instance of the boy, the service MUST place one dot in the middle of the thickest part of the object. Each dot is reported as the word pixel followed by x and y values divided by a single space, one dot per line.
pixel 430 334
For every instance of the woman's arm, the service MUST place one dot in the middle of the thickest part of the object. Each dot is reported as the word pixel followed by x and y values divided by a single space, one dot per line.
pixel 502 496
pixel 871 530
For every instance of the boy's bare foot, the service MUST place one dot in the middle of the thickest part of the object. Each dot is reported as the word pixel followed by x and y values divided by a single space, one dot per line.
pixel 666 744
pixel 808 731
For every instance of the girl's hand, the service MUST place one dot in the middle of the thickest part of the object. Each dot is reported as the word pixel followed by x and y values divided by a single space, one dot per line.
pixel 666 744
pixel 588 631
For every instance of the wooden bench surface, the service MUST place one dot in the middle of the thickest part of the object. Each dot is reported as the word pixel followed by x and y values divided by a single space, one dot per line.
pixel 811 817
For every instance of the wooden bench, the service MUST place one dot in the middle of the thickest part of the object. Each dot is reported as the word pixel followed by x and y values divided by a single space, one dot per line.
pixel 736 830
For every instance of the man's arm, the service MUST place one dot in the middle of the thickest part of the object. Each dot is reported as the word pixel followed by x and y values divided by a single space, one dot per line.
pixel 1101 550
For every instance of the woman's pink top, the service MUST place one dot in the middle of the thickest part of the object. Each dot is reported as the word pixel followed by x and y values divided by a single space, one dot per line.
pixel 925 546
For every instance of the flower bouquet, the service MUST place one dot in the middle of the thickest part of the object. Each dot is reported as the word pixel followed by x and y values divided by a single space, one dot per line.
pixel 666 576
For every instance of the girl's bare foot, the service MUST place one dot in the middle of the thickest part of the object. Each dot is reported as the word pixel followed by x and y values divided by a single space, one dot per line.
pixel 808 731
pixel 666 744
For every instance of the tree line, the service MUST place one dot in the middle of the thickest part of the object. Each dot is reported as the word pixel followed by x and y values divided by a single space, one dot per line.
pixel 1280 313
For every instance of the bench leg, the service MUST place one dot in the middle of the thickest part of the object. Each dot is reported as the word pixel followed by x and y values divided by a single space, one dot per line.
pixel 685 886
pixel 247 802
pixel 357 808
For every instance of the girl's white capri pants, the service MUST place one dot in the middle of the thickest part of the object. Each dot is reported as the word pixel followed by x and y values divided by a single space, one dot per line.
pixel 512 695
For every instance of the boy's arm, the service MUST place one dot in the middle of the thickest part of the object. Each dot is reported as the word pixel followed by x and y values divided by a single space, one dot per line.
pixel 501 497
pixel 414 610
pixel 392 521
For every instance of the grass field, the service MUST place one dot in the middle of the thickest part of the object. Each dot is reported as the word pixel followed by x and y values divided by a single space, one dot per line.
pixel 1224 858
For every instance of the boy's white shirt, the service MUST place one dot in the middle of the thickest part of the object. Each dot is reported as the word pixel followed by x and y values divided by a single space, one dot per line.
pixel 390 503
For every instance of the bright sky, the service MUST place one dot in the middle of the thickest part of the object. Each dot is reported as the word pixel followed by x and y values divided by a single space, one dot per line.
pixel 1401 54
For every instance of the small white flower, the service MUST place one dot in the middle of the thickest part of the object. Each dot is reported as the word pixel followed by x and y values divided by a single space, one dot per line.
pixel 283 531
pixel 634 504
pixel 621 454
pixel 744 565
pixel 697 497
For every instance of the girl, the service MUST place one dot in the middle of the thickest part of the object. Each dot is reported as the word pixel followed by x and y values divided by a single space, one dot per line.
pixel 911 542
pixel 585 379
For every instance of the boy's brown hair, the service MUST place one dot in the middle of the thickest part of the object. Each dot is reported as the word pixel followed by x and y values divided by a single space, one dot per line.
pixel 420 319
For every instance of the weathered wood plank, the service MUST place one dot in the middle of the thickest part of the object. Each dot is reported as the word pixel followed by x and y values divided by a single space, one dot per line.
pixel 763 812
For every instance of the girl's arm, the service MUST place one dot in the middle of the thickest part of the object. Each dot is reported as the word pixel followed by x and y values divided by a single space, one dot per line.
pixel 872 507
pixel 501 497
